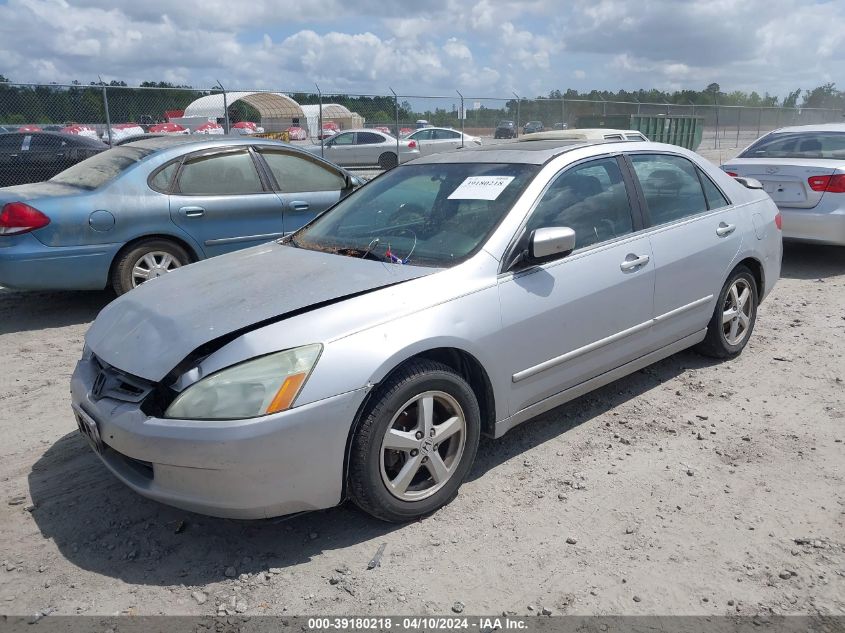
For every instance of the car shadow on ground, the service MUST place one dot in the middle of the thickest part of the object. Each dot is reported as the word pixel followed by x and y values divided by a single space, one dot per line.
pixel 812 261
pixel 22 310
pixel 100 525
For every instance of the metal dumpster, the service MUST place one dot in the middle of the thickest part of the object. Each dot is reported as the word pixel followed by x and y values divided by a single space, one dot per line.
pixel 677 129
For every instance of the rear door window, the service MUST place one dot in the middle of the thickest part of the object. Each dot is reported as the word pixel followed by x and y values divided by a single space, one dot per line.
pixel 670 185
pixel 368 138
pixel 232 173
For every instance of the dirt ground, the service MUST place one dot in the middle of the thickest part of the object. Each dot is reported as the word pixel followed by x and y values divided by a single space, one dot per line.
pixel 691 487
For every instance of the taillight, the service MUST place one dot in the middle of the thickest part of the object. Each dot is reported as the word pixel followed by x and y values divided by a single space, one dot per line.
pixel 732 174
pixel 412 144
pixel 829 184
pixel 779 221
pixel 17 218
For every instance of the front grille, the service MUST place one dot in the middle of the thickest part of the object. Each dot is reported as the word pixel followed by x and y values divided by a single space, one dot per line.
pixel 114 383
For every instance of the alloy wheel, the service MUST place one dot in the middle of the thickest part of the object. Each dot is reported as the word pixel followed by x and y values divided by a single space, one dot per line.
pixel 736 312
pixel 423 446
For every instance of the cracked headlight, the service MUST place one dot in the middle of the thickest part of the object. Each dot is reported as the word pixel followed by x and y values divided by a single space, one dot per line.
pixel 256 387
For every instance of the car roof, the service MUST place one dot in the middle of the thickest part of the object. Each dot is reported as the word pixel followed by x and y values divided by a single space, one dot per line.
pixel 365 129
pixel 165 142
pixel 817 127
pixel 535 153
pixel 577 134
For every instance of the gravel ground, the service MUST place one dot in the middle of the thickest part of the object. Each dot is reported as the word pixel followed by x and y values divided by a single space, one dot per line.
pixel 691 487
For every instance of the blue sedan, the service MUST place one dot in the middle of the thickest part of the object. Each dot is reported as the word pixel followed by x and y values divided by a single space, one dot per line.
pixel 138 211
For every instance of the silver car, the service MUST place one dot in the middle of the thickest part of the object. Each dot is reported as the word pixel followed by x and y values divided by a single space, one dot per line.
pixel 361 148
pixel 458 295
pixel 440 139
pixel 803 169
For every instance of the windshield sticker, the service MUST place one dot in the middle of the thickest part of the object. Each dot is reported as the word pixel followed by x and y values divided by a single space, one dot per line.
pixel 481 188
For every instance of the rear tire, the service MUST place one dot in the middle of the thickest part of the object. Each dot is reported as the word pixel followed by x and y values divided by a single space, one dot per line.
pixel 415 444
pixel 733 317
pixel 146 260
pixel 388 160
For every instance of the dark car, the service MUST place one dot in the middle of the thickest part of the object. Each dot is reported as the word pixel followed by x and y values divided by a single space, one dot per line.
pixel 35 156
pixel 505 129
pixel 561 126
pixel 136 137
pixel 533 126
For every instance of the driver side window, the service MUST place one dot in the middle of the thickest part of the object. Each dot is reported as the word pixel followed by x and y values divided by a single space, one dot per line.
pixel 590 198
pixel 343 139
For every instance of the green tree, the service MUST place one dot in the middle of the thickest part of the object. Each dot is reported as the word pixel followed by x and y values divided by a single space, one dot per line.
pixel 825 96
pixel 792 99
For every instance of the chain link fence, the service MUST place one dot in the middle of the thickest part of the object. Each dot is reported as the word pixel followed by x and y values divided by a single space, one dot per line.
pixel 93 117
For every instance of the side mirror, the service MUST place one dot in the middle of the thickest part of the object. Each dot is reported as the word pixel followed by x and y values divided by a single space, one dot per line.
pixel 550 243
pixel 547 244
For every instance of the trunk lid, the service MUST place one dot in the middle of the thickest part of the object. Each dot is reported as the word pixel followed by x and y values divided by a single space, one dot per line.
pixel 786 179
pixel 47 189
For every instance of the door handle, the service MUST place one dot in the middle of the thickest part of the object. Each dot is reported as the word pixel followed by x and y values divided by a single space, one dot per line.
pixel 192 212
pixel 725 229
pixel 633 261
pixel 299 205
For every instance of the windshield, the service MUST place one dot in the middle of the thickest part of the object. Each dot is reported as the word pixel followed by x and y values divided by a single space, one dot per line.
pixel 798 145
pixel 425 215
pixel 101 168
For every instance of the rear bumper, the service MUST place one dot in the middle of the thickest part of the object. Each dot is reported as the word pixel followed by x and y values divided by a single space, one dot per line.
pixel 27 264
pixel 809 226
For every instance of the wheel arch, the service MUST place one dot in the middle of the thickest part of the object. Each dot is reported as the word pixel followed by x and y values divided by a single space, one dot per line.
pixel 191 249
pixel 756 267
pixel 463 362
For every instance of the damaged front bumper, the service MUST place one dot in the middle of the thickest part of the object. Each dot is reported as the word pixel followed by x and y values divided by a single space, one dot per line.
pixel 261 467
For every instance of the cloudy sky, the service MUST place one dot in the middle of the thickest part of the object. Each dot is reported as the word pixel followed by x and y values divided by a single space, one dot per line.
pixel 483 48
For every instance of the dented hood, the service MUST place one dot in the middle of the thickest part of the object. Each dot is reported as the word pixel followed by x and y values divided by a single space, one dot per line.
pixel 150 330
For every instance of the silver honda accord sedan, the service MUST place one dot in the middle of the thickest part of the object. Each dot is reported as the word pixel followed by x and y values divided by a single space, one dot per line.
pixel 458 295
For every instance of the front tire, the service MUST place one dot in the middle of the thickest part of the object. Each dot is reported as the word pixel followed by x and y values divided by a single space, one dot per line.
pixel 733 317
pixel 146 260
pixel 415 444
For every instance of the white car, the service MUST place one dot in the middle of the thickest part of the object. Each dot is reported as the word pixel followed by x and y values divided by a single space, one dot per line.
pixel 431 140
pixel 586 134
pixel 803 169
pixel 366 147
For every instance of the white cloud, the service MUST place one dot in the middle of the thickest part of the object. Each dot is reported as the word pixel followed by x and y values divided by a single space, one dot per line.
pixel 488 47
